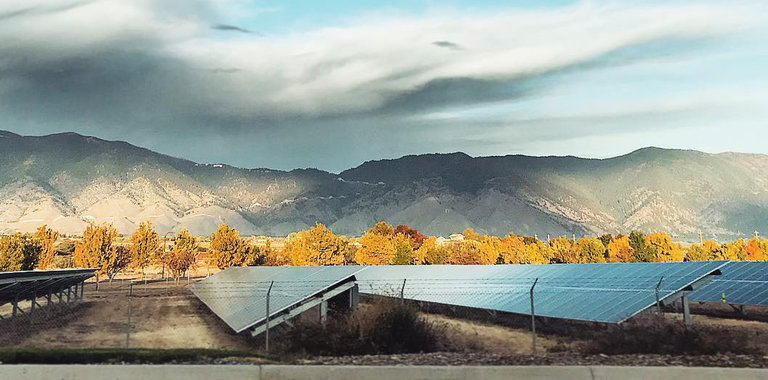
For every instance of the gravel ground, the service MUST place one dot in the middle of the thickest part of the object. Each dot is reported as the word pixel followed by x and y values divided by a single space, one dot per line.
pixel 479 358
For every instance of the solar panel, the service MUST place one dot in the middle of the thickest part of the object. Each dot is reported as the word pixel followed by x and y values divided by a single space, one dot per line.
pixel 21 285
pixel 742 283
pixel 587 292
pixel 238 294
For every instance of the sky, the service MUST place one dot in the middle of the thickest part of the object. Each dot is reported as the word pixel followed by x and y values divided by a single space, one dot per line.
pixel 331 84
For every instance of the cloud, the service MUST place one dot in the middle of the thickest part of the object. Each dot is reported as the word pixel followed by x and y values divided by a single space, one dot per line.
pixel 156 69
pixel 232 28
pixel 448 45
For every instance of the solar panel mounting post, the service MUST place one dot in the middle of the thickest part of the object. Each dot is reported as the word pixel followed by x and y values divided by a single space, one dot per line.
pixel 266 321
pixel 658 287
pixel 533 320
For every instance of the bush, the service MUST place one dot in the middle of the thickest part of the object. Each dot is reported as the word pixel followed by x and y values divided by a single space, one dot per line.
pixel 385 327
pixel 654 334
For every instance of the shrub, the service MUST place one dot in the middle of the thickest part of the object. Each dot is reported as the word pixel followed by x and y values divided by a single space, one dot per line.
pixel 384 327
pixel 655 334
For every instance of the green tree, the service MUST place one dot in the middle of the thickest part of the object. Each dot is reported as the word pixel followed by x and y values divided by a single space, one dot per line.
pixel 19 252
pixel 643 253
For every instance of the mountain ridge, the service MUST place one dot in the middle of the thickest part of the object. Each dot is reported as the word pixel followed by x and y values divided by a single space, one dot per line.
pixel 67 180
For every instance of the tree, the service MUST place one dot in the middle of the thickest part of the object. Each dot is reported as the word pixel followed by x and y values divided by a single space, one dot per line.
pixel 620 251
pixel 145 246
pixel 512 250
pixel 416 237
pixel 46 238
pixel 275 257
pixel 375 249
pixel 404 254
pixel 383 229
pixel 735 250
pixel 432 253
pixel 117 261
pixel 227 248
pixel 473 252
pixel 316 246
pixel 96 249
pixel 563 251
pixel 697 253
pixel 183 255
pixel 19 252
pixel 754 250
pixel 590 250
pixel 665 250
pixel 470 234
pixel 643 253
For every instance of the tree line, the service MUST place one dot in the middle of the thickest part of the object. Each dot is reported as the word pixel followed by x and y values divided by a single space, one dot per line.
pixel 382 244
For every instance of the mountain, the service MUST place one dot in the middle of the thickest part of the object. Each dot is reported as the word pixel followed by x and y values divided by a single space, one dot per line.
pixel 67 180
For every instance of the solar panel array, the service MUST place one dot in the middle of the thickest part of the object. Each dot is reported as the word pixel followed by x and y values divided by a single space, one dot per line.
pixel 23 285
pixel 586 292
pixel 742 283
pixel 238 295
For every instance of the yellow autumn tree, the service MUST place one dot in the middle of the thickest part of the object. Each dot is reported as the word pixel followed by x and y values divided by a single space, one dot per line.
pixel 432 253
pixel 404 253
pixel 620 251
pixel 375 249
pixel 183 255
pixel 512 250
pixel 563 250
pixel 590 250
pixel 227 248
pixel 19 252
pixel 664 249
pixel 473 252
pixel 46 238
pixel 97 250
pixel 316 246
pixel 145 246
pixel 470 234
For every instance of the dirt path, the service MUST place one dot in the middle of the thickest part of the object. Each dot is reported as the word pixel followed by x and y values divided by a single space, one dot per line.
pixel 478 336
pixel 161 318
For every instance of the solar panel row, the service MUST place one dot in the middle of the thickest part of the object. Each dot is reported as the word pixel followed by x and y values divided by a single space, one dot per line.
pixel 588 292
pixel 26 284
pixel 238 295
pixel 742 283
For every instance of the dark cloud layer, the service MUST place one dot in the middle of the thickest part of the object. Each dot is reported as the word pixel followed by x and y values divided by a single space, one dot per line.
pixel 159 77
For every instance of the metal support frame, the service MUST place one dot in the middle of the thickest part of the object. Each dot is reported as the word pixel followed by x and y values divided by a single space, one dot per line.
pixel 533 319
pixel 304 306
pixel 658 288
pixel 687 320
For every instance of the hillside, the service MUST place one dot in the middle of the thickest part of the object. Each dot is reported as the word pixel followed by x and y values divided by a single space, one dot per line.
pixel 66 180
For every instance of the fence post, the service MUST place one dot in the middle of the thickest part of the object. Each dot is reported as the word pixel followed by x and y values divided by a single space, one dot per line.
pixel 658 303
pixel 402 292
pixel 266 322
pixel 128 326
pixel 533 320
